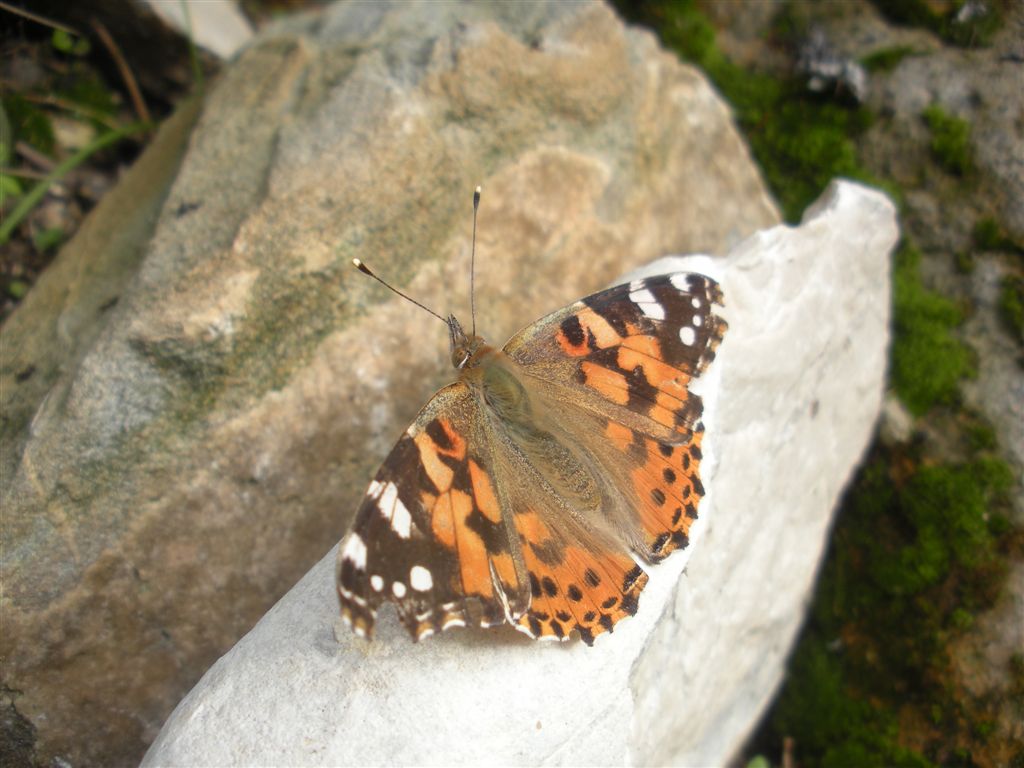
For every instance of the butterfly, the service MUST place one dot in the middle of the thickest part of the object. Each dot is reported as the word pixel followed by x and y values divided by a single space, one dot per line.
pixel 520 491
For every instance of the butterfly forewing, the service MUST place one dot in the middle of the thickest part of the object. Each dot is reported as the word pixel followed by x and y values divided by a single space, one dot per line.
pixel 429 534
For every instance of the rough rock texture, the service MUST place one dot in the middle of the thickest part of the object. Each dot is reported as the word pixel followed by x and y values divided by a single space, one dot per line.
pixel 195 395
pixel 791 403
pixel 979 86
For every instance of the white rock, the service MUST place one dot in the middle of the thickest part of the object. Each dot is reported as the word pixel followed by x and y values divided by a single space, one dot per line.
pixel 219 27
pixel 791 404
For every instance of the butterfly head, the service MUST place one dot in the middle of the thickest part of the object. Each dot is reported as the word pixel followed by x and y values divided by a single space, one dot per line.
pixel 466 349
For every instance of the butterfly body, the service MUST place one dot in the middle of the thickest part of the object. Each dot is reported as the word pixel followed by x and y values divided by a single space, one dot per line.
pixel 520 490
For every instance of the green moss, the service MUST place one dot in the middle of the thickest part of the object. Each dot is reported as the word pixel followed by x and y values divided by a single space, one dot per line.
pixel 886 59
pixel 914 559
pixel 28 123
pixel 800 141
pixel 17 289
pixel 86 90
pixel 927 360
pixel 1011 305
pixel 981 436
pixel 951 140
pixel 942 20
pixel 48 239
pixel 964 261
pixel 911 13
pixel 989 235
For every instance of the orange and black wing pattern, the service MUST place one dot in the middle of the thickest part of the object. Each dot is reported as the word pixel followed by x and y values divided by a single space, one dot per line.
pixel 626 359
pixel 429 535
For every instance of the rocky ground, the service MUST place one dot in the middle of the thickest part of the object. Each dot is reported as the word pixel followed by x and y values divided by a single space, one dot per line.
pixel 940 89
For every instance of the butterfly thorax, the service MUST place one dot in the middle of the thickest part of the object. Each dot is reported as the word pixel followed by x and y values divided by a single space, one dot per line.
pixel 522 422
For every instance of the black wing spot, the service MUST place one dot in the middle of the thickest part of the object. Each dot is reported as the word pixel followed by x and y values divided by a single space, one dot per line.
pixel 591 577
pixel 631 577
pixel 666 450
pixel 669 475
pixel 490 533
pixel 534 585
pixel 549 586
pixel 658 496
pixel 630 604
pixel 572 330
pixel 641 392
pixel 574 593
pixel 436 432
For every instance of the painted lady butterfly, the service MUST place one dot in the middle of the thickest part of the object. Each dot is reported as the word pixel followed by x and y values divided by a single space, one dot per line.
pixel 518 492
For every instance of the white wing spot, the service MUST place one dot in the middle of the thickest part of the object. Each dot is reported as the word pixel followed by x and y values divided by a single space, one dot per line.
pixel 687 335
pixel 647 303
pixel 698 321
pixel 695 302
pixel 453 622
pixel 420 579
pixel 354 551
pixel 377 583
pixel 398 589
pixel 392 508
pixel 680 281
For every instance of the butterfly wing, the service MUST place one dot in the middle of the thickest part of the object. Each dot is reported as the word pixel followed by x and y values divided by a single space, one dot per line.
pixel 625 357
pixel 475 518
pixel 430 535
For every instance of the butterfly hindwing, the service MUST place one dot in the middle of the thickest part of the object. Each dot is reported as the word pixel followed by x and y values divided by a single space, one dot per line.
pixel 625 357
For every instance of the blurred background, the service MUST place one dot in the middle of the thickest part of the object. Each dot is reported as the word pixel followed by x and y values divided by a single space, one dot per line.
pixel 913 651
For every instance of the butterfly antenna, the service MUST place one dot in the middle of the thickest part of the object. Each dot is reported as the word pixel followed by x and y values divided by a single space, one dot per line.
pixel 472 262
pixel 366 271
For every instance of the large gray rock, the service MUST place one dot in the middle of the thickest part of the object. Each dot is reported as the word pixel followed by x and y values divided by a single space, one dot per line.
pixel 194 396
pixel 791 403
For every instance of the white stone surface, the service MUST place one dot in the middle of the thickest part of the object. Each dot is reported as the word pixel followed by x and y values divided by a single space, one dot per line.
pixel 219 26
pixel 792 400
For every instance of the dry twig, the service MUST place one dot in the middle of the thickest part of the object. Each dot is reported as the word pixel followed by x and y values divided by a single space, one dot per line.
pixel 126 72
